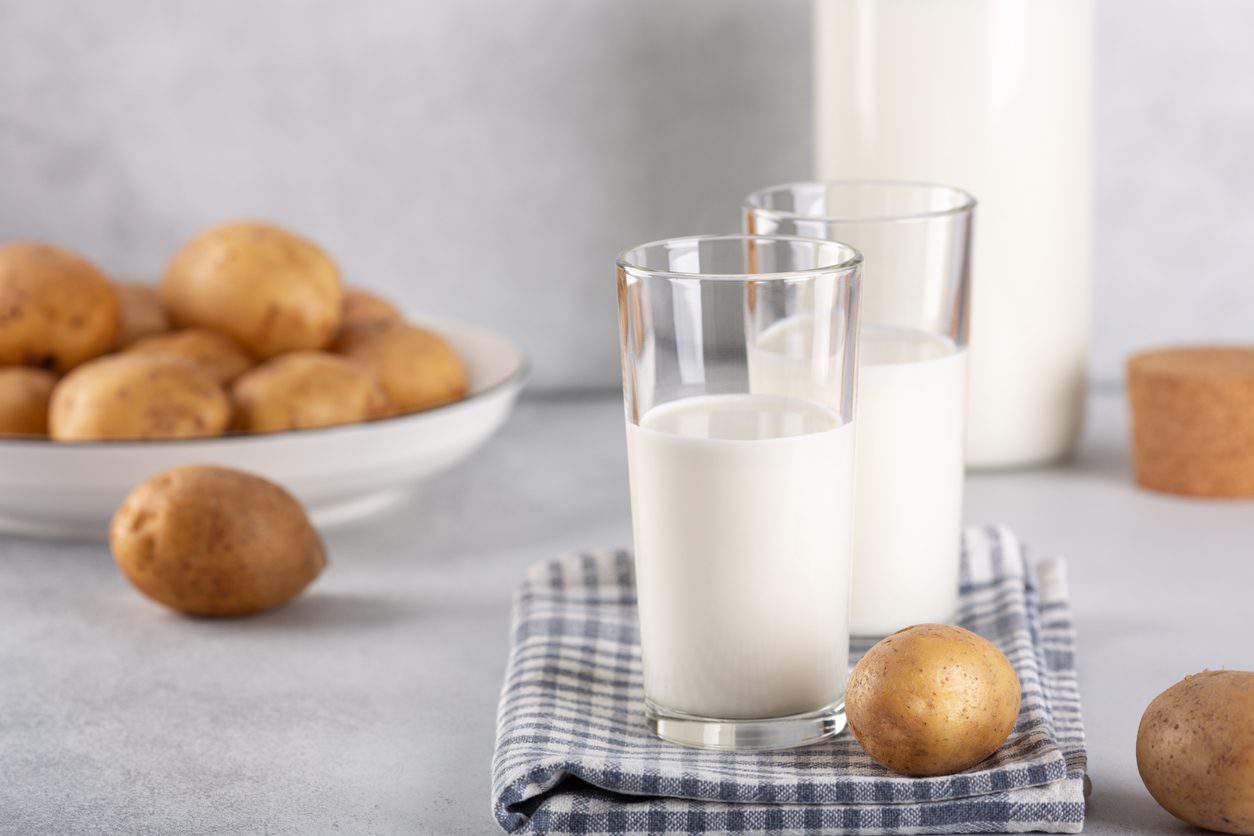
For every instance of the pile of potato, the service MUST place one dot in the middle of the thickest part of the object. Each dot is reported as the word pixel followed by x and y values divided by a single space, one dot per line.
pixel 250 331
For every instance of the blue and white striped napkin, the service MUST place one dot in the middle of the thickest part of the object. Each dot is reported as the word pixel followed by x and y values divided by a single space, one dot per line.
pixel 573 754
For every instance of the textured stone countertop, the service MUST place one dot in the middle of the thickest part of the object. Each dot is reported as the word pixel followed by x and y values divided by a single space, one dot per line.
pixel 369 704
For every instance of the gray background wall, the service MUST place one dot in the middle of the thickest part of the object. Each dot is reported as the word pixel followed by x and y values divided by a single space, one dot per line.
pixel 486 160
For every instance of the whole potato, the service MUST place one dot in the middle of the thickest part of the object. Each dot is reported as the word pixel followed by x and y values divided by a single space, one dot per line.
pixel 362 307
pixel 269 289
pixel 137 396
pixel 216 542
pixel 932 700
pixel 140 312
pixel 306 389
pixel 217 355
pixel 417 368
pixel 1195 750
pixel 24 395
pixel 56 309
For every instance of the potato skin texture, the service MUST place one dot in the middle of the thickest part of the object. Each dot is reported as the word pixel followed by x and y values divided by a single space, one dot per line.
pixel 362 307
pixel 24 396
pixel 416 367
pixel 265 287
pixel 932 700
pixel 304 390
pixel 137 396
pixel 1195 750
pixel 217 355
pixel 56 309
pixel 211 541
pixel 140 313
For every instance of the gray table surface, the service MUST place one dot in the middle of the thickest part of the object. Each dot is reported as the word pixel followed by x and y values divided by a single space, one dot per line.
pixel 369 704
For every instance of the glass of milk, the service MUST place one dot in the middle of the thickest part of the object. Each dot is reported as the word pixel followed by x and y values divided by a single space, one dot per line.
pixel 916 240
pixel 741 500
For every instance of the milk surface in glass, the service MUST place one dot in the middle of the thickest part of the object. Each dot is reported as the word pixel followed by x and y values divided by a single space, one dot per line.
pixel 742 530
pixel 908 465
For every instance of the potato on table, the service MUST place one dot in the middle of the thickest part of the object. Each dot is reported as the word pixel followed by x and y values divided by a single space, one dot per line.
pixel 306 389
pixel 1195 750
pixel 362 307
pixel 24 396
pixel 56 309
pixel 932 700
pixel 416 367
pixel 140 311
pixel 268 289
pixel 137 396
pixel 216 354
pixel 213 541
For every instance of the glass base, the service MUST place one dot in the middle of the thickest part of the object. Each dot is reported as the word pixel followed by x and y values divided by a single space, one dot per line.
pixel 746 735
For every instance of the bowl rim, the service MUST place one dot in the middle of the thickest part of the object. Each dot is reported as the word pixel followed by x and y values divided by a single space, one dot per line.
pixel 515 379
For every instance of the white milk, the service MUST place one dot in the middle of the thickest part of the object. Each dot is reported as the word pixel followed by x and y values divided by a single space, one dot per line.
pixel 909 465
pixel 993 96
pixel 912 389
pixel 741 515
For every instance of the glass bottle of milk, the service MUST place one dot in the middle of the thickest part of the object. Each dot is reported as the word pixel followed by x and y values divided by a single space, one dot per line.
pixel 912 382
pixel 994 96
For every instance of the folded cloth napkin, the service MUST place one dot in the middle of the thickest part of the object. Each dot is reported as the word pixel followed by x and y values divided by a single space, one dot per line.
pixel 573 754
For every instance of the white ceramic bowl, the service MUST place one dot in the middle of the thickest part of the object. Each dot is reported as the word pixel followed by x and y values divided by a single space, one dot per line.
pixel 340 473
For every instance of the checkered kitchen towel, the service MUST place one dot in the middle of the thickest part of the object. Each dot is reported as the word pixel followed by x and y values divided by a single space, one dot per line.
pixel 573 754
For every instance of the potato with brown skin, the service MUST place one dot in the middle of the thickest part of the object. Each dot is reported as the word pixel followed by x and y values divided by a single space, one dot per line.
pixel 56 309
pixel 137 396
pixel 211 541
pixel 24 395
pixel 306 389
pixel 416 367
pixel 140 312
pixel 268 289
pixel 216 354
pixel 932 700
pixel 1195 750
pixel 362 308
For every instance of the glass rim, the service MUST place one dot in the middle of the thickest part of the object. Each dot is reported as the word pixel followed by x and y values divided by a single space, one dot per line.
pixel 965 202
pixel 850 258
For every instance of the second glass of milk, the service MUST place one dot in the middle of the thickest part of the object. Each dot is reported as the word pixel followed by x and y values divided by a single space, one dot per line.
pixel 912 393
pixel 741 500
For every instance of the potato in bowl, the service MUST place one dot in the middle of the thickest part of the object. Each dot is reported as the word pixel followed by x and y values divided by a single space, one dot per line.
pixel 351 403
pixel 339 473
pixel 136 397
pixel 416 367
pixel 361 307
pixel 270 290
pixel 57 310
pixel 216 354
pixel 140 313
pixel 304 390
pixel 24 397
